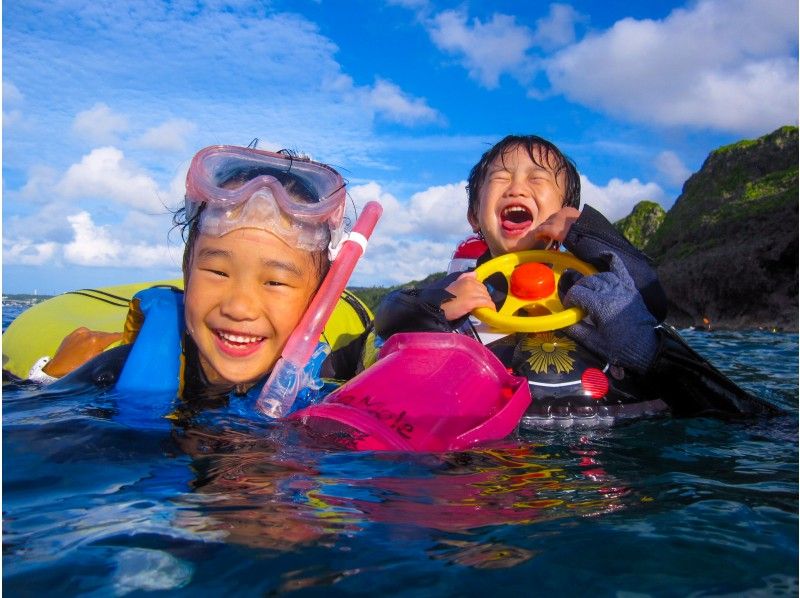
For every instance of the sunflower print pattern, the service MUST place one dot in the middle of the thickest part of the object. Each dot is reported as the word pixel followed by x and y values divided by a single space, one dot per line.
pixel 545 349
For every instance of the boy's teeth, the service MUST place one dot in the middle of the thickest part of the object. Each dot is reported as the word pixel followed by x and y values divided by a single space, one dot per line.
pixel 237 338
pixel 518 214
pixel 515 209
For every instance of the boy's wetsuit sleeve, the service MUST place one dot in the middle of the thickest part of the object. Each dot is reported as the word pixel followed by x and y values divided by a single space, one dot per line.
pixel 592 234
pixel 691 386
pixel 416 310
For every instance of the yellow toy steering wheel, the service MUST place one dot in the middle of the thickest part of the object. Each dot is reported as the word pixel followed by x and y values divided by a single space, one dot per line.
pixel 533 288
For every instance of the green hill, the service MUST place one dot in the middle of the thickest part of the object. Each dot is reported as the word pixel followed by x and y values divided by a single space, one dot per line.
pixel 728 249
pixel 642 223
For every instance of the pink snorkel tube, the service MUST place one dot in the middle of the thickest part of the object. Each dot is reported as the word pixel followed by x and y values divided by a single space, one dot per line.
pixel 280 390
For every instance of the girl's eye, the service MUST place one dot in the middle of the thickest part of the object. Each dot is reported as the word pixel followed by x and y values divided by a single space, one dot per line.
pixel 215 272
pixel 275 283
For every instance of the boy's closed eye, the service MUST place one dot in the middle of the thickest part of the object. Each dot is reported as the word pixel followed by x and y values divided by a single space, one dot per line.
pixel 542 174
pixel 499 175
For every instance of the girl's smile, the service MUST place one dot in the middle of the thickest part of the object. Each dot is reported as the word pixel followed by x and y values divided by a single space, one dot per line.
pixel 238 345
pixel 245 293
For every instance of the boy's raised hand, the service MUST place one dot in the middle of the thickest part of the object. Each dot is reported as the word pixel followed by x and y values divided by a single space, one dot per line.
pixel 469 294
pixel 557 225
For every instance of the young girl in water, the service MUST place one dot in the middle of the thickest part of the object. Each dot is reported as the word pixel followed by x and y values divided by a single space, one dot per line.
pixel 258 228
pixel 260 225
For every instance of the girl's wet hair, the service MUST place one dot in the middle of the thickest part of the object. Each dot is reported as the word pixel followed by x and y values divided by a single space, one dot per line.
pixel 543 153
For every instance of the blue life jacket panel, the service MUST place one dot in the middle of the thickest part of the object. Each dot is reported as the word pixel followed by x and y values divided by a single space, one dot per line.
pixel 154 363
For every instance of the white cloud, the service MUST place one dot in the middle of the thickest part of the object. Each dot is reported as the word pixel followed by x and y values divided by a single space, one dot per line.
pixel 95 245
pixel 99 124
pixel 11 93
pixel 616 199
pixel 11 117
pixel 169 136
pixel 557 29
pixel 103 183
pixel 135 240
pixel 500 45
pixel 672 168
pixel 46 224
pixel 104 174
pixel 725 65
pixel 393 261
pixel 393 104
pixel 440 211
pixel 138 227
pixel 177 188
pixel 436 212
pixel 28 253
pixel 384 99
pixel 92 245
pixel 487 50
pixel 40 186
pixel 413 238
pixel 394 220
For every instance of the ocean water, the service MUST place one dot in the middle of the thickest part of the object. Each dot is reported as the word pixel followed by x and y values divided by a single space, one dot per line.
pixel 228 506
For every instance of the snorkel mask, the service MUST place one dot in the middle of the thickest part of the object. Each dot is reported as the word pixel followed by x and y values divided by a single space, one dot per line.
pixel 296 199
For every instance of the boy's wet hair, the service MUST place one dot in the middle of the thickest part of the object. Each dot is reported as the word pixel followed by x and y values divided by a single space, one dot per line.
pixel 538 149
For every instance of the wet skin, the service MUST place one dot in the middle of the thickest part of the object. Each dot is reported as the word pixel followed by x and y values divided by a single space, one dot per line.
pixel 517 195
pixel 245 293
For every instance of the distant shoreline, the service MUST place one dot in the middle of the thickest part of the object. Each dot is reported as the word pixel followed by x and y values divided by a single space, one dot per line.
pixel 24 297
pixel 23 300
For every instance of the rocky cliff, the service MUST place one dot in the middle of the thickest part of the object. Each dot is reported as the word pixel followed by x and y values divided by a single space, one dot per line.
pixel 642 223
pixel 728 249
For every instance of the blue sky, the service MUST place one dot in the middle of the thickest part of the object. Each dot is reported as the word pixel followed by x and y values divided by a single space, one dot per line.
pixel 104 104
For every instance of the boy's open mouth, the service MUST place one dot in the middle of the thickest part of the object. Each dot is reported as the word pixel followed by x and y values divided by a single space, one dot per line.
pixel 515 218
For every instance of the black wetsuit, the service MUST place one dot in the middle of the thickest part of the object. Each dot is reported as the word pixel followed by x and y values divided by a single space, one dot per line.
pixel 680 379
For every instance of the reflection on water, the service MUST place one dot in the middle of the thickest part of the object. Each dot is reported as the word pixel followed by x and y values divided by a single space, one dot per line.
pixel 251 490
pixel 473 489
